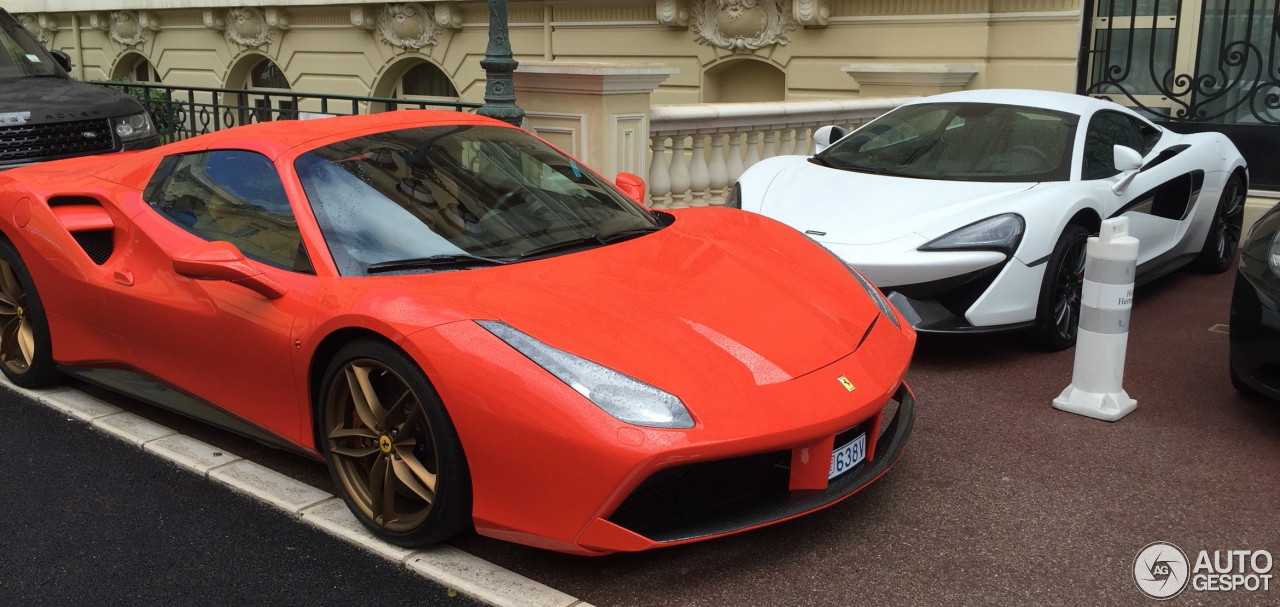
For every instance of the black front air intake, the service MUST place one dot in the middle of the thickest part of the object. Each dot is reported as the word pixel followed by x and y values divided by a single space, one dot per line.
pixel 701 499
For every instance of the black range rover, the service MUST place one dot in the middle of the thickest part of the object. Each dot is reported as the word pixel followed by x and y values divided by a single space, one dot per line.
pixel 44 114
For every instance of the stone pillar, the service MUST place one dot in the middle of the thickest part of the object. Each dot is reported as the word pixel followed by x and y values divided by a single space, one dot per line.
pixel 599 112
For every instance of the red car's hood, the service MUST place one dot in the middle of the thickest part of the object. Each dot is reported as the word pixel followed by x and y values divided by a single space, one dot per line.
pixel 719 296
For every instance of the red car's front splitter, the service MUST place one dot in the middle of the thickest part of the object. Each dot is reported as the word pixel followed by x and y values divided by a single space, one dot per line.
pixel 652 516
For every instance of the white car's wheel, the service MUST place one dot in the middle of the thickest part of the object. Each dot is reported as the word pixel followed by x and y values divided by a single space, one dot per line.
pixel 1058 309
pixel 1220 244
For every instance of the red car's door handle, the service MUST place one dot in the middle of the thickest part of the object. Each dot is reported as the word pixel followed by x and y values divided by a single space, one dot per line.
pixel 124 278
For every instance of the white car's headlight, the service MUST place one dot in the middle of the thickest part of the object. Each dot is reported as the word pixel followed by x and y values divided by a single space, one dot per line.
pixel 1000 233
pixel 620 395
pixel 134 127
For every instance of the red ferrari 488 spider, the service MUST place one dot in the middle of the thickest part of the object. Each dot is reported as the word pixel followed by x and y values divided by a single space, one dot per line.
pixel 469 326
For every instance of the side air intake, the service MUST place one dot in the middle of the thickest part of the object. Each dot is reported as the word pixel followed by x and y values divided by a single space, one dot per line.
pixel 88 223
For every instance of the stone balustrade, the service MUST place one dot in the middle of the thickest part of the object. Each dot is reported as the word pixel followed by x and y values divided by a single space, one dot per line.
pixel 699 150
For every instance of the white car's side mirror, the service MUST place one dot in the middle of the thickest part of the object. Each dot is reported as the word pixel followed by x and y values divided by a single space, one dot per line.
pixel 1126 160
pixel 825 136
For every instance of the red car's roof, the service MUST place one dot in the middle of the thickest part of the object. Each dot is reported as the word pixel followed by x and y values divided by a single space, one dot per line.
pixel 269 138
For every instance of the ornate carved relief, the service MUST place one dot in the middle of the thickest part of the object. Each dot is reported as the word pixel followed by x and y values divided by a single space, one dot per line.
pixel 215 20
pixel 812 13
pixel 100 21
pixel 276 18
pixel 742 24
pixel 130 28
pixel 408 25
pixel 673 13
pixel 42 26
pixel 364 17
pixel 448 15
pixel 246 26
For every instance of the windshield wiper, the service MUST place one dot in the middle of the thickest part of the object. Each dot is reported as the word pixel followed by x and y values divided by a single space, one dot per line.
pixel 856 168
pixel 453 261
pixel 588 242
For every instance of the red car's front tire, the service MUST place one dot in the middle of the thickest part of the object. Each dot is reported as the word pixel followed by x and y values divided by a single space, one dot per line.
pixel 26 352
pixel 391 447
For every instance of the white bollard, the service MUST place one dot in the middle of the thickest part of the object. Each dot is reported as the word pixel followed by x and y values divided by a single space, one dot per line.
pixel 1111 262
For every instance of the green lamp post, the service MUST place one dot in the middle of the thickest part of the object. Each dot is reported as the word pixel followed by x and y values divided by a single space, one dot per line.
pixel 499 87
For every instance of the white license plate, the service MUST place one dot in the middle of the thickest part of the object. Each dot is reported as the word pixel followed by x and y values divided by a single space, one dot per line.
pixel 848 455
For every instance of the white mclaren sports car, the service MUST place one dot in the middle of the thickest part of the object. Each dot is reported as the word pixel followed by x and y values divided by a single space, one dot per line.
pixel 972 209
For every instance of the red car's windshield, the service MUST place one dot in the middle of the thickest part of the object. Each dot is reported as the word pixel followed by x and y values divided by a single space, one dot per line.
pixel 455 196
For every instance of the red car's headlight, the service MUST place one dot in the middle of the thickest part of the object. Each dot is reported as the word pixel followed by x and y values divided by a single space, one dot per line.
pixel 620 395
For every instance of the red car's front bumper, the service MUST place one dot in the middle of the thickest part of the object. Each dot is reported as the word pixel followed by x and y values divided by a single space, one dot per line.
pixel 707 499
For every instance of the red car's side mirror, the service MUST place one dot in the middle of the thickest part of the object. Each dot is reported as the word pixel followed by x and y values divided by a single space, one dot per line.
pixel 219 260
pixel 631 185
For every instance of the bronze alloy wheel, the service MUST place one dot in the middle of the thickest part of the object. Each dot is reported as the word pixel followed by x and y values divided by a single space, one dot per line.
pixel 17 338
pixel 24 335
pixel 385 436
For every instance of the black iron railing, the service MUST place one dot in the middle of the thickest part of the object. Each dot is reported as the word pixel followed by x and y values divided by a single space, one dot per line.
pixel 1236 75
pixel 1207 65
pixel 185 111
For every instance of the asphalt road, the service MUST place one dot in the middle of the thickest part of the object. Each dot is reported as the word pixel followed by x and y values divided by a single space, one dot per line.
pixel 998 500
pixel 90 520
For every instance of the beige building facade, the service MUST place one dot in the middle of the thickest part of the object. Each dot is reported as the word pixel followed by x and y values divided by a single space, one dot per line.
pixel 722 50
pixel 600 78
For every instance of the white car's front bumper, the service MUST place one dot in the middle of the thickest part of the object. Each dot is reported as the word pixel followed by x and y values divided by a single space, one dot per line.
pixel 949 291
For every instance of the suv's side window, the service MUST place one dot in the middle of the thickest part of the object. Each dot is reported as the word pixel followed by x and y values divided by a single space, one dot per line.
pixel 1107 129
pixel 231 195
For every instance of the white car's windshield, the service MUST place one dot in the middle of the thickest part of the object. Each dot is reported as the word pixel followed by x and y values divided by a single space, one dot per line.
pixel 960 142
pixel 450 197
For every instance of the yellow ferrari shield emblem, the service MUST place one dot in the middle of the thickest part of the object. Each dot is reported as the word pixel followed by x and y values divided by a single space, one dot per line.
pixel 384 443
pixel 848 385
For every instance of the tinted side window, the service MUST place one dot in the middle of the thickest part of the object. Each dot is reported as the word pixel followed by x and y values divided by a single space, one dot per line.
pixel 1108 129
pixel 232 195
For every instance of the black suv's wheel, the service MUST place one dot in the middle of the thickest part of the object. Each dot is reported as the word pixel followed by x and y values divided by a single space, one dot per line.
pixel 391 447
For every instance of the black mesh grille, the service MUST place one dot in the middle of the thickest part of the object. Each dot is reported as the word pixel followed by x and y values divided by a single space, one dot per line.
pixel 31 142
pixel 684 495
pixel 98 244
pixel 708 498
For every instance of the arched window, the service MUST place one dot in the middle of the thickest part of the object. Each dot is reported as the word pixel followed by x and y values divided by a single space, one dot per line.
pixel 135 68
pixel 744 80
pixel 143 71
pixel 266 76
pixel 425 80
